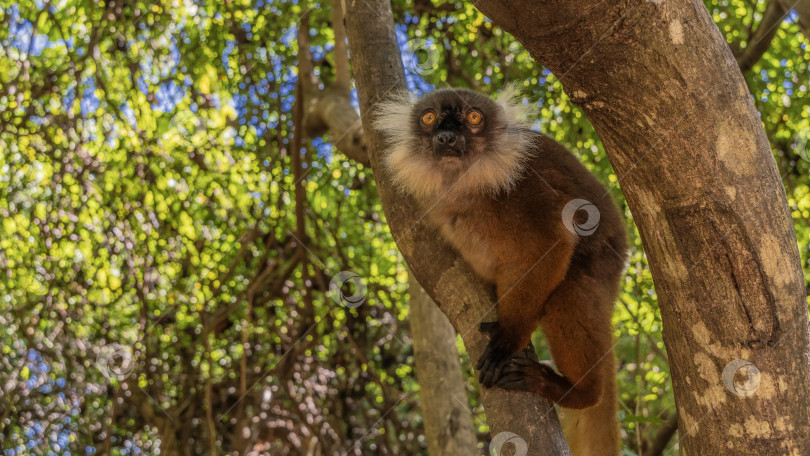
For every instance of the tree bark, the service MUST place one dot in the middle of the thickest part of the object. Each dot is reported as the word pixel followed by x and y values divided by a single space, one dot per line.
pixel 447 416
pixel 446 278
pixel 668 101
pixel 443 397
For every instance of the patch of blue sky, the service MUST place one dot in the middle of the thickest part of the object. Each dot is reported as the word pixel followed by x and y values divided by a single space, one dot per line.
pixel 317 51
pixel 289 36
pixel 63 438
pixel 229 47
pixel 323 149
pixel 143 84
pixel 253 96
pixel 90 101
pixel 174 54
pixel 68 96
pixel 764 75
pixel 22 32
pixel 167 97
pixel 129 115
pixel 544 79
pixel 287 92
pixel 355 101
pixel 32 381
pixel 216 101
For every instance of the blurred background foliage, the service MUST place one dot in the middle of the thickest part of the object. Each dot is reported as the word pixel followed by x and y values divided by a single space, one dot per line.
pixel 161 291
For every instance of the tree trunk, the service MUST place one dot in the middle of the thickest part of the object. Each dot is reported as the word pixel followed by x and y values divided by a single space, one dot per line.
pixel 445 407
pixel 668 101
pixel 445 277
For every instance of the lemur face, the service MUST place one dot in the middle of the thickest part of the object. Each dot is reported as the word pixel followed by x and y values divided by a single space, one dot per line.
pixel 456 124
pixel 454 138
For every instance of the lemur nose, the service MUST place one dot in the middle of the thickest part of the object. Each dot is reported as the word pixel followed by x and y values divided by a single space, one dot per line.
pixel 447 138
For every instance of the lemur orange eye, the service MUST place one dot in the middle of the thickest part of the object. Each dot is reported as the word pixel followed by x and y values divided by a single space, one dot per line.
pixel 428 118
pixel 474 117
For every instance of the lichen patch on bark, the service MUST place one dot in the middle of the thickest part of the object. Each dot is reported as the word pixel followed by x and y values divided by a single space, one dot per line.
pixel 703 338
pixel 736 150
pixel 715 392
pixel 771 262
pixel 688 422
pixel 676 31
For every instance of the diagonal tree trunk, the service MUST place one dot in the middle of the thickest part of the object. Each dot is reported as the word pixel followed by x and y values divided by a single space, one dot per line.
pixel 446 278
pixel 447 417
pixel 666 97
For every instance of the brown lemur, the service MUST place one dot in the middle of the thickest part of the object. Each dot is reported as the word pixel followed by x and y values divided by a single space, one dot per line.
pixel 530 219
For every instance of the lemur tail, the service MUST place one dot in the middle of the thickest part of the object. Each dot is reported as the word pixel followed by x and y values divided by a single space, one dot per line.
pixel 594 431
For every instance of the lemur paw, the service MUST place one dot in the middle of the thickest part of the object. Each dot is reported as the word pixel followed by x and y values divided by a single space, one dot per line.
pixel 523 374
pixel 501 347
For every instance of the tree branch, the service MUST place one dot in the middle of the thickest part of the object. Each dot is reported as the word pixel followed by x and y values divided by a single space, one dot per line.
pixel 760 40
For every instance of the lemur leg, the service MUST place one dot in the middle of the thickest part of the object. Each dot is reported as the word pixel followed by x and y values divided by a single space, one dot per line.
pixel 576 323
pixel 521 297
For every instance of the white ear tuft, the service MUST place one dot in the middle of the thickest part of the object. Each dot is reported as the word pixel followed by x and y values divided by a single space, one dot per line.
pixel 511 100
pixel 392 116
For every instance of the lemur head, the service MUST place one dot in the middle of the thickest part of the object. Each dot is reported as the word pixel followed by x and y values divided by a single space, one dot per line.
pixel 454 139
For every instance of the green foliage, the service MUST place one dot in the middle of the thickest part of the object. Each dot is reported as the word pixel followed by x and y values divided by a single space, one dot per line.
pixel 157 282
